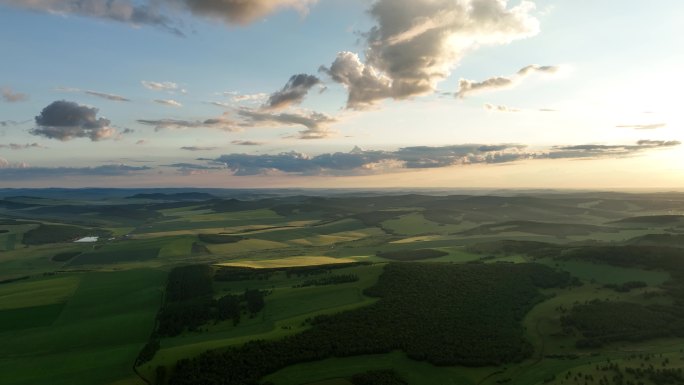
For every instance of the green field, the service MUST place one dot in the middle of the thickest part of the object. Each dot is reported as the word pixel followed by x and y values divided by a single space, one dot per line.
pixel 93 338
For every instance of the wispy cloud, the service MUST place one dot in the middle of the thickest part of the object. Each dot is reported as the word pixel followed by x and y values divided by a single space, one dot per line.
pixel 198 148
pixel 26 172
pixel 220 123
pixel 246 143
pixel 468 86
pixel 15 146
pixel 168 102
pixel 500 108
pixel 159 86
pixel 11 96
pixel 652 126
pixel 102 95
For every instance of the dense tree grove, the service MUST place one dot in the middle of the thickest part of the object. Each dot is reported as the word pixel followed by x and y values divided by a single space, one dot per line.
pixel 219 238
pixel 378 377
pixel 188 300
pixel 228 307
pixel 626 286
pixel 411 255
pixel 607 321
pixel 255 300
pixel 445 314
pixel 332 279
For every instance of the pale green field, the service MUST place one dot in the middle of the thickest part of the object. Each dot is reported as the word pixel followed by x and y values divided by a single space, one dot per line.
pixel 308 260
pixel 415 224
pixel 245 246
pixel 38 292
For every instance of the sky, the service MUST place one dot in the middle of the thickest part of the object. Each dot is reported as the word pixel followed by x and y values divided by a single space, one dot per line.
pixel 341 93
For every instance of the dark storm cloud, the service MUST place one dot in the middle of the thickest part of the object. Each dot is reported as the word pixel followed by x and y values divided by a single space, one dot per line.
pixel 293 92
pixel 360 161
pixel 64 120
pixel 11 96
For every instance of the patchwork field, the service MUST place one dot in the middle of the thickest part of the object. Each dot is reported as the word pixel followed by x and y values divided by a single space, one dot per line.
pixel 277 269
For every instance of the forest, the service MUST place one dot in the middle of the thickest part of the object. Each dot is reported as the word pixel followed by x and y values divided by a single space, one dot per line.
pixel 441 313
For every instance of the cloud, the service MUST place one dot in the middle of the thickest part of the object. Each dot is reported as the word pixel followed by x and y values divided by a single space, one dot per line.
pixel 14 146
pixel 311 120
pixel 316 123
pixel 220 123
pixel 468 86
pixel 500 108
pixel 198 148
pixel 293 92
pixel 141 142
pixel 8 123
pixel 360 161
pixel 159 86
pixel 246 143
pixel 103 95
pixel 193 168
pixel 416 43
pixel 11 96
pixel 26 172
pixel 241 11
pixel 64 120
pixel 598 150
pixel 168 102
pixel 643 126
pixel 124 11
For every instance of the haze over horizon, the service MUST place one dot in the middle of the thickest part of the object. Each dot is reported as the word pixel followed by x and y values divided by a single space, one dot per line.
pixel 341 93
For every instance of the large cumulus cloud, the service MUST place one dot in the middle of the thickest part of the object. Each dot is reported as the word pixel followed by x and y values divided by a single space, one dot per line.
pixel 416 43
pixel 64 120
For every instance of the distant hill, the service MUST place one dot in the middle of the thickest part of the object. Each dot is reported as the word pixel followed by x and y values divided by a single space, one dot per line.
pixel 184 196
pixel 654 220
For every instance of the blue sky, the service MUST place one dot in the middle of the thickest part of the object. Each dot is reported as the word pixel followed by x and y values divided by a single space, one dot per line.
pixel 94 95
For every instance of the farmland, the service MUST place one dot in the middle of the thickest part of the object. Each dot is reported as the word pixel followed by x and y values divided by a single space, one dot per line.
pixel 322 266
